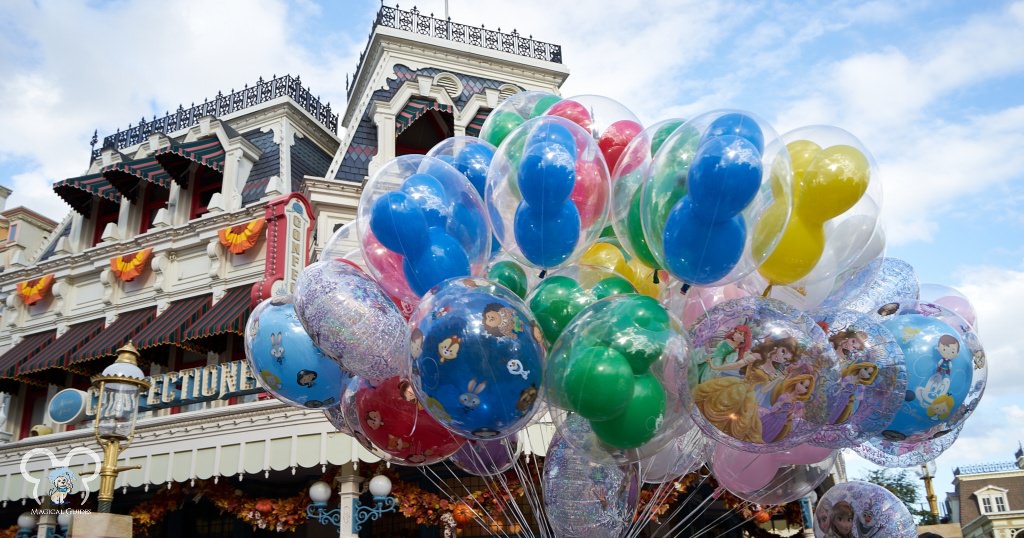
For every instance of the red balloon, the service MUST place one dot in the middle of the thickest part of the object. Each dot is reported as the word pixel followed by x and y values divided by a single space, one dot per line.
pixel 388 265
pixel 589 194
pixel 394 422
pixel 572 111
pixel 615 138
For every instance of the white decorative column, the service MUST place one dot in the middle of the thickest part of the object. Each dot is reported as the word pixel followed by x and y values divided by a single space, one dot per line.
pixel 348 482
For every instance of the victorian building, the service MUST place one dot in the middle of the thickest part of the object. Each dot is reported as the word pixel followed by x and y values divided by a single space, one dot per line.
pixel 178 227
pixel 988 500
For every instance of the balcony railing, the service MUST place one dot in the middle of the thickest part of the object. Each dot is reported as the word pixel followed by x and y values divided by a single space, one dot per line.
pixel 1001 467
pixel 417 23
pixel 262 92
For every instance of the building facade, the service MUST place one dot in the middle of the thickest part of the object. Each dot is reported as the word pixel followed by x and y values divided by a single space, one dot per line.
pixel 988 500
pixel 182 224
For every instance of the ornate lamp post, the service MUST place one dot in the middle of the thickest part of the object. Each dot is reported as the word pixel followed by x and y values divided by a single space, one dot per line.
pixel 118 386
pixel 320 493
pixel 927 472
pixel 26 524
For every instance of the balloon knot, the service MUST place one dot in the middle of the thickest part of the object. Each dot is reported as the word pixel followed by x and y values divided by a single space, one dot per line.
pixel 684 289
pixel 656 279
pixel 543 273
pixel 767 291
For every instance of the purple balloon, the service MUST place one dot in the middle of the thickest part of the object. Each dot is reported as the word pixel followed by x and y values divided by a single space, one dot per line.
pixel 487 458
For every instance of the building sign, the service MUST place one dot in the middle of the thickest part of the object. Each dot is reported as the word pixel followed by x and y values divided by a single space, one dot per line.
pixel 172 389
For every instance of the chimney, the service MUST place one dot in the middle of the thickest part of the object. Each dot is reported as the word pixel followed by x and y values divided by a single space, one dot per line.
pixel 4 193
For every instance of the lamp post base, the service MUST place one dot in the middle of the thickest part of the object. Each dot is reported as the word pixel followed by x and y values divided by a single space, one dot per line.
pixel 96 525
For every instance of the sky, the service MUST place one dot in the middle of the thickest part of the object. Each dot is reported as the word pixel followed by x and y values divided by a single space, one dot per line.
pixel 934 90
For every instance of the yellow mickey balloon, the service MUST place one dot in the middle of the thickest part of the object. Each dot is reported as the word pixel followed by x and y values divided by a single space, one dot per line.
pixel 606 255
pixel 826 183
pixel 642 278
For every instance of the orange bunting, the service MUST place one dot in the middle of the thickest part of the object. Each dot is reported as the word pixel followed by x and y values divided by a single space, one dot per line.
pixel 131 265
pixel 241 237
pixel 33 291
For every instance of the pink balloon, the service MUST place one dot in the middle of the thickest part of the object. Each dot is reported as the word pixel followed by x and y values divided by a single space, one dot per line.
pixel 589 194
pixel 959 305
pixel 700 300
pixel 743 472
pixel 803 455
pixel 389 265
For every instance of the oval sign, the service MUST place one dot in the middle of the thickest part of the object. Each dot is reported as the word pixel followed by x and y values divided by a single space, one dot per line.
pixel 67 406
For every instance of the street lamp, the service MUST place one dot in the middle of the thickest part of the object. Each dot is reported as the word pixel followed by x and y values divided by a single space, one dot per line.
pixel 63 521
pixel 118 387
pixel 26 524
pixel 927 472
pixel 320 493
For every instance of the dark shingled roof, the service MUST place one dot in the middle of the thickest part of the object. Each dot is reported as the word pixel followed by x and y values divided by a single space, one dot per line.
pixel 52 247
pixel 269 164
pixel 307 160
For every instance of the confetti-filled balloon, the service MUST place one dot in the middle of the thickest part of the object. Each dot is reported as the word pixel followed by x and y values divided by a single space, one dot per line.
pixel 896 281
pixel 862 510
pixel 477 358
pixel 287 362
pixel 352 320
pixel 584 496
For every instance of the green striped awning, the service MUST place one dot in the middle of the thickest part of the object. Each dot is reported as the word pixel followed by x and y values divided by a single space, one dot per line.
pixel 477 123
pixel 117 334
pixel 31 346
pixel 78 192
pixel 58 353
pixel 228 315
pixel 170 327
pixel 416 107
pixel 125 176
pixel 177 158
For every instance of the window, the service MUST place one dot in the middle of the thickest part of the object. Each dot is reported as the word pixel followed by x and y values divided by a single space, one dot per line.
pixel 986 505
pixel 1000 504
pixel 107 212
pixel 992 500
pixel 154 200
pixel 207 183
pixel 12 234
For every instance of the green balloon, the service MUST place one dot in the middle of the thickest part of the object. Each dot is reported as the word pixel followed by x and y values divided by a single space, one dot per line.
pixel 641 311
pixel 500 125
pixel 598 383
pixel 510 275
pixel 543 104
pixel 555 302
pixel 641 347
pixel 662 134
pixel 635 230
pixel 639 422
pixel 608 231
pixel 613 285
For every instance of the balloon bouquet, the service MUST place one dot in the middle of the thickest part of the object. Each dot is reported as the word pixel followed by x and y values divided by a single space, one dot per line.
pixel 706 292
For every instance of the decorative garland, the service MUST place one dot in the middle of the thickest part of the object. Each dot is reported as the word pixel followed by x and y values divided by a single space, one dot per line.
pixel 129 266
pixel 33 291
pixel 241 237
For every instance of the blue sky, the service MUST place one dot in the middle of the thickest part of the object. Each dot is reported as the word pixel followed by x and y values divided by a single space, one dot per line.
pixel 935 89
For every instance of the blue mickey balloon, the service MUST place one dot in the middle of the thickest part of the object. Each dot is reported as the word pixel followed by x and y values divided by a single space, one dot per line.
pixel 737 124
pixel 724 177
pixel 466 224
pixel 701 252
pixel 477 358
pixel 428 193
pixel 552 134
pixel 443 258
pixel 547 176
pixel 547 240
pixel 939 374
pixel 473 161
pixel 399 223
pixel 284 359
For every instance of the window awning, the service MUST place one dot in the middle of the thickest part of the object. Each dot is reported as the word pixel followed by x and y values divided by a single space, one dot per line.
pixel 416 107
pixel 31 346
pixel 78 192
pixel 177 158
pixel 228 315
pixel 125 176
pixel 477 123
pixel 170 327
pixel 117 334
pixel 58 353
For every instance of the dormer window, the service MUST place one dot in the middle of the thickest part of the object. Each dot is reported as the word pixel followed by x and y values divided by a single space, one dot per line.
pixel 154 200
pixel 207 182
pixel 12 233
pixel 106 213
pixel 992 500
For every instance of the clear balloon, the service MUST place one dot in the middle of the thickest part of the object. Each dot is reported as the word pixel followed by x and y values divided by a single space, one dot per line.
pixel 951 299
pixel 761 375
pixel 285 359
pixel 564 293
pixel 873 383
pixel 349 416
pixel 715 178
pixel 607 120
pixel 352 320
pixel 628 177
pixel 392 419
pixel 896 281
pixel 420 222
pixel 621 365
pixel 513 112
pixel 547 192
pixel 586 495
pixel 775 478
pixel 946 370
pixel 469 155
pixel 682 455
pixel 488 458
pixel 912 451
pixel 862 509
pixel 477 358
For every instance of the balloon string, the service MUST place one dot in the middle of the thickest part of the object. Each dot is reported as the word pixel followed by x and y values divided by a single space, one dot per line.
pixel 453 498
pixel 767 291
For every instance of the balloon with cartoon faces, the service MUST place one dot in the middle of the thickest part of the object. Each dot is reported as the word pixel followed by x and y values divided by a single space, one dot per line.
pixel 862 510
pixel 284 358
pixel 476 358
